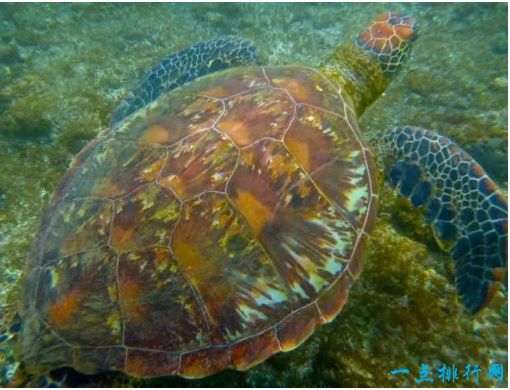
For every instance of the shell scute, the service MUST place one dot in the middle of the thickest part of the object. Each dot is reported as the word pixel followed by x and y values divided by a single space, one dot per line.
pixel 77 226
pixel 144 218
pixel 298 327
pixel 330 148
pixel 170 119
pixel 256 114
pixel 249 352
pixel 309 240
pixel 47 351
pixel 78 298
pixel 240 287
pixel 229 83
pixel 306 237
pixel 90 360
pixel 116 168
pixel 159 308
pixel 144 363
pixel 203 362
pixel 264 172
pixel 203 162
pixel 307 86
pixel 334 298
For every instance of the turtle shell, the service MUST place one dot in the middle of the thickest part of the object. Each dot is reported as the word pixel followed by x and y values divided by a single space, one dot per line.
pixel 212 229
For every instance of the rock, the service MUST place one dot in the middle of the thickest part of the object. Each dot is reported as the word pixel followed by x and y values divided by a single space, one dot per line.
pixel 500 82
pixel 9 54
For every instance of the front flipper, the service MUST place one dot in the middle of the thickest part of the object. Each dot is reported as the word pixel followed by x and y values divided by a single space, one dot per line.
pixel 184 66
pixel 465 208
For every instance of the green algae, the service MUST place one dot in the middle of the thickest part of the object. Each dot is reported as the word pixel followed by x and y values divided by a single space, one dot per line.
pixel 64 67
pixel 359 75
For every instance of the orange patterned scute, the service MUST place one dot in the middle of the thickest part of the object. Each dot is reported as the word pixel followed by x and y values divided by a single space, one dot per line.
pixel 306 236
pixel 171 120
pixel 337 164
pixel 254 350
pixel 150 292
pixel 156 134
pixel 62 311
pixel 203 162
pixel 251 116
pixel 78 226
pixel 223 85
pixel 298 327
pixel 116 168
pixel 228 267
pixel 208 361
pixel 80 291
pixel 307 86
pixel 144 218
pixel 88 361
pixel 214 228
pixel 256 214
pixel 333 299
pixel 146 364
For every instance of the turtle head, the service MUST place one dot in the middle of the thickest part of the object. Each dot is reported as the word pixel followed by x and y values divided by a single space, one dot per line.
pixel 389 37
pixel 364 66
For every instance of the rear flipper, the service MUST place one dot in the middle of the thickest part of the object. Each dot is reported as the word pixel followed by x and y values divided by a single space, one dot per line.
pixel 184 66
pixel 55 379
pixel 466 210
pixel 8 363
pixel 10 375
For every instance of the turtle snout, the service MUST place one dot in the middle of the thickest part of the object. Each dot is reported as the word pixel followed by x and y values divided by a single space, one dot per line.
pixel 405 27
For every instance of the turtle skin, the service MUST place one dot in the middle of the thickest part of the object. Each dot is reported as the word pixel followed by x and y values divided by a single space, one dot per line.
pixel 184 66
pixel 215 227
pixel 466 210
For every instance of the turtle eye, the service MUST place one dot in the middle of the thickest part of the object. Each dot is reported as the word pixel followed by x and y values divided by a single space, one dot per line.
pixel 394 20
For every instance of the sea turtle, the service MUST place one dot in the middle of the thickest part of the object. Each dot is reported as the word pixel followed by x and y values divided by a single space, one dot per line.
pixel 224 214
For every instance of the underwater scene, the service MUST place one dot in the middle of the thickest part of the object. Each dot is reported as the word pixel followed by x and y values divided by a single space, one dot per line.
pixel 253 194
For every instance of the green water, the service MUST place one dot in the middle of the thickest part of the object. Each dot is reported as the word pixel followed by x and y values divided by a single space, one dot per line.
pixel 65 67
